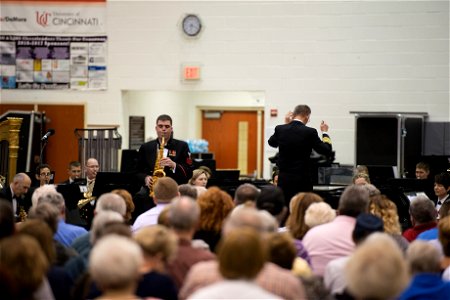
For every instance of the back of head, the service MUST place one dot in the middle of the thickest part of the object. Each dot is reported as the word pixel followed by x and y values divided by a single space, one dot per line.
pixel 423 257
pixel 165 190
pixel 25 261
pixel 319 213
pixel 422 210
pixel 377 269
pixel 128 202
pixel 187 190
pixel 215 205
pixel 184 214
pixel 101 220
pixel 444 234
pixel 7 221
pixel 40 231
pixel 114 270
pixel 384 208
pixel 298 206
pixel 54 198
pixel 42 191
pixel 111 202
pixel 241 254
pixel 244 217
pixel 366 224
pixel 271 199
pixel 282 250
pixel 46 212
pixel 354 200
pixel 246 192
pixel 157 241
pixel 302 110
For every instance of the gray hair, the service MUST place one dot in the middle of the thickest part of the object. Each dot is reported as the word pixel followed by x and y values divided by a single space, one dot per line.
pixel 354 200
pixel 102 220
pixel 184 214
pixel 115 269
pixel 113 202
pixel 423 257
pixel 422 210
pixel 52 197
pixel 319 213
pixel 41 192
pixel 245 217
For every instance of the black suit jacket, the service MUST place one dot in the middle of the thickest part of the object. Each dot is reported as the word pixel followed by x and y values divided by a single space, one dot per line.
pixel 178 151
pixel 295 142
pixel 25 202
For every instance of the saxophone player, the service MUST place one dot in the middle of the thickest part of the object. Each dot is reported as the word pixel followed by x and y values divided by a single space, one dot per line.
pixel 175 161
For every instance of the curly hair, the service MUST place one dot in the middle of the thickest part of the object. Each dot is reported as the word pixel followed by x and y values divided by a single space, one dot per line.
pixel 298 206
pixel 215 205
pixel 384 208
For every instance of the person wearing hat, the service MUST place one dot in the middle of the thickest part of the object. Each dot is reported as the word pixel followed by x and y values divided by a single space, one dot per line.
pixel 334 278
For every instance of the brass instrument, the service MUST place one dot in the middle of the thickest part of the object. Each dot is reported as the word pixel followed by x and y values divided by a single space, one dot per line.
pixel 2 181
pixel 158 171
pixel 87 198
pixel 22 214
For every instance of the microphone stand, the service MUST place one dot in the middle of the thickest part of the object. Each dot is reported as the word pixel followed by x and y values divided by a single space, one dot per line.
pixel 43 144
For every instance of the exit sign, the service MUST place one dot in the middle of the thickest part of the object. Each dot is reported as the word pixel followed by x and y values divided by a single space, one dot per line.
pixel 191 72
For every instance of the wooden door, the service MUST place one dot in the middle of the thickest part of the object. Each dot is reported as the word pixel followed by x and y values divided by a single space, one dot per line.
pixel 63 146
pixel 233 140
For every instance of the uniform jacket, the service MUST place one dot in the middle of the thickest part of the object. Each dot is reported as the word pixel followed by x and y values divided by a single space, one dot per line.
pixel 178 151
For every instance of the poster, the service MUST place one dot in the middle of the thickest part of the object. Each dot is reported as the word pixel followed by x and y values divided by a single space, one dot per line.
pixel 53 62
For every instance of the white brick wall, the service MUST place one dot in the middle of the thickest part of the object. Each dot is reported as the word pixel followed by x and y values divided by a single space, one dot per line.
pixel 336 56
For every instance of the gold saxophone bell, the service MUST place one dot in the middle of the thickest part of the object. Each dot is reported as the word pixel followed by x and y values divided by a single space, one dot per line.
pixel 22 214
pixel 87 198
pixel 158 171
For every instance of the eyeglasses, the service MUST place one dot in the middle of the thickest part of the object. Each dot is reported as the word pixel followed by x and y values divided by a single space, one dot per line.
pixel 46 174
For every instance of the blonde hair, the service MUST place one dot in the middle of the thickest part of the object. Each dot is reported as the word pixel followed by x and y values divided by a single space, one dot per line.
pixel 319 213
pixel 157 240
pixel 384 208
pixel 196 174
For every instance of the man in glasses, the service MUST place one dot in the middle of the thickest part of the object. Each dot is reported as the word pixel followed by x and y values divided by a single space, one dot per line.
pixel 43 174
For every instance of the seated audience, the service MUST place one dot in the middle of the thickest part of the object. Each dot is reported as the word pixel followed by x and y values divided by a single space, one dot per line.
pixel 241 256
pixel 333 240
pixel 423 217
pixel 272 278
pixel 199 178
pixel 129 204
pixel 377 269
pixel 334 278
pixel 184 215
pixel 319 213
pixel 116 272
pixel 25 264
pixel 271 199
pixel 166 189
pixel 246 193
pixel 444 239
pixel 215 205
pixel 424 265
pixel 187 189
pixel 361 178
pixel 296 220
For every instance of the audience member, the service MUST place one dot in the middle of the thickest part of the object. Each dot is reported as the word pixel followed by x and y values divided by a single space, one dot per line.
pixel 271 199
pixel 332 240
pixel 245 193
pixel 444 239
pixel 271 278
pixel 377 269
pixel 199 178
pixel 116 272
pixel 166 189
pixel 24 261
pixel 423 217
pixel 361 178
pixel 188 190
pixel 319 213
pixel 424 265
pixel 215 205
pixel 334 278
pixel 241 256
pixel 296 220
pixel 184 215
pixel 128 202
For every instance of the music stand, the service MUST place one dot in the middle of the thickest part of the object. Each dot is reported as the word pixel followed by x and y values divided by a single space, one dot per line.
pixel 105 182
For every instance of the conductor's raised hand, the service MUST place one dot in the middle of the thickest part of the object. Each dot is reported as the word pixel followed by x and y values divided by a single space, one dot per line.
pixel 324 126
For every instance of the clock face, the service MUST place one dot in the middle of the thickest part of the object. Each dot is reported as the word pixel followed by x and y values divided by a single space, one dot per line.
pixel 192 25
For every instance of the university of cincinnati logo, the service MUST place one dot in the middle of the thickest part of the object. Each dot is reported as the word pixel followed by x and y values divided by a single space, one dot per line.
pixel 42 18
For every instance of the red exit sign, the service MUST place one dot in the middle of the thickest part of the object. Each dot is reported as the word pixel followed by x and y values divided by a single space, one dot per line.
pixel 191 72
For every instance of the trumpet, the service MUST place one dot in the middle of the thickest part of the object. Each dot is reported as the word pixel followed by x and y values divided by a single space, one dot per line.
pixel 87 198
pixel 158 171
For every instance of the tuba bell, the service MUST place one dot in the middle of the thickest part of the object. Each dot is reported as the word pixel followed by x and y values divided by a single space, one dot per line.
pixel 158 171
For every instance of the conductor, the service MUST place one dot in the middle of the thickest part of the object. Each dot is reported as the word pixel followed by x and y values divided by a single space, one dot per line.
pixel 295 141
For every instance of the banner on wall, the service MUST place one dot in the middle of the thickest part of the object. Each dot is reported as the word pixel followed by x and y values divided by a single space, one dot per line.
pixel 56 17
pixel 53 62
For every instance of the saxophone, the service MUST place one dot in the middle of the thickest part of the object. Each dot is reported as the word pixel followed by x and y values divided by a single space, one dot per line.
pixel 158 171
pixel 87 197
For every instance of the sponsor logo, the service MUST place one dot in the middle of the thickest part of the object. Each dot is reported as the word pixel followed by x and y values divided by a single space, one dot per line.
pixel 12 19
pixel 42 18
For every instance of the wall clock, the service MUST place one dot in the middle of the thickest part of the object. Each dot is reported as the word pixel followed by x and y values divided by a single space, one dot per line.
pixel 191 25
